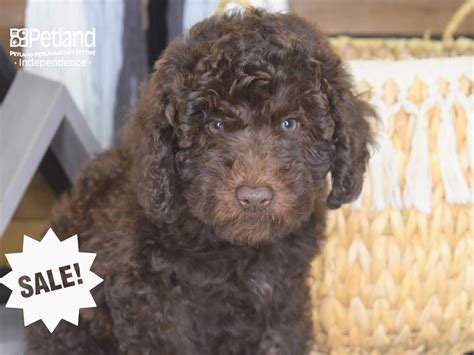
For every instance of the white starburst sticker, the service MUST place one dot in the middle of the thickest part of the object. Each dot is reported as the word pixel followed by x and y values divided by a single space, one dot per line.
pixel 51 280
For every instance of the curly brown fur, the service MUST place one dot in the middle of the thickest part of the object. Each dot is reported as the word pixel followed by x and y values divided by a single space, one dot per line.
pixel 186 269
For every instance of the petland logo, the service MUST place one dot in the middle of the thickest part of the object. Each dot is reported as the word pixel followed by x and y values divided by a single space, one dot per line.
pixel 57 38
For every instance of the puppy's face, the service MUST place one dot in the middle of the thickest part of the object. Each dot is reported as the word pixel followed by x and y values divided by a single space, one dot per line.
pixel 241 123
pixel 260 150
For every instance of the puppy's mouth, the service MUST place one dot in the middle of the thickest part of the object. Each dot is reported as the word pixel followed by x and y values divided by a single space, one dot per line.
pixel 256 214
pixel 253 228
pixel 263 218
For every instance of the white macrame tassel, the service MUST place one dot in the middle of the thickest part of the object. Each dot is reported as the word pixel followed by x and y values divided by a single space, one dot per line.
pixel 392 176
pixel 417 192
pixel 469 109
pixel 377 182
pixel 376 161
pixel 384 169
pixel 455 186
pixel 390 167
pixel 383 165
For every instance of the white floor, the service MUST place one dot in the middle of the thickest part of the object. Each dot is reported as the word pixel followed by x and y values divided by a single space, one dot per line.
pixel 11 331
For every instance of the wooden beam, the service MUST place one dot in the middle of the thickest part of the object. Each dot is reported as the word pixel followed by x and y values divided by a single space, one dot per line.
pixel 381 17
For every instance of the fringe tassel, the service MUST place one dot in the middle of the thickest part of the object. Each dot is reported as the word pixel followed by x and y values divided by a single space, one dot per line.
pixel 390 164
pixel 377 181
pixel 417 192
pixel 455 186
pixel 469 109
pixel 383 165
pixel 392 175
pixel 376 161
pixel 384 169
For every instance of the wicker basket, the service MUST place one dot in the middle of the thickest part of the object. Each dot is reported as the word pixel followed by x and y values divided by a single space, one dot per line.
pixel 396 275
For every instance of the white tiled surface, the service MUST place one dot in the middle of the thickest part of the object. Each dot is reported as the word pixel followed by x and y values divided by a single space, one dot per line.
pixel 11 332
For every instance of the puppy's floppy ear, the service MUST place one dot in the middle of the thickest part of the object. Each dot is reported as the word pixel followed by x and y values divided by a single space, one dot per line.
pixel 349 116
pixel 150 139
pixel 352 134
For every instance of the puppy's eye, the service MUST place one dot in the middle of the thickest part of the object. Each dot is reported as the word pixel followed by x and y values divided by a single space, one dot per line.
pixel 216 126
pixel 289 124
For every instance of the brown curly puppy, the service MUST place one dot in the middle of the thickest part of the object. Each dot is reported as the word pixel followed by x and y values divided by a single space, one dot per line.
pixel 206 217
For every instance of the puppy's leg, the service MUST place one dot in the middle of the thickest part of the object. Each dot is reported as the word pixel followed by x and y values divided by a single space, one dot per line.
pixel 289 330
pixel 93 335
pixel 67 339
pixel 149 318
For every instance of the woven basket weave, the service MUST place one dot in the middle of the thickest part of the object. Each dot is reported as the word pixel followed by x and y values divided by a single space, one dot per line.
pixel 396 275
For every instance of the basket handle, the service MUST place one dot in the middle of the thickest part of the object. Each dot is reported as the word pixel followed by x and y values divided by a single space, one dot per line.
pixel 222 3
pixel 448 33
pixel 457 19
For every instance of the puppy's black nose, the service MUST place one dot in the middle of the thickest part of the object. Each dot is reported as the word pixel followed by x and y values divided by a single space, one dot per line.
pixel 254 198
